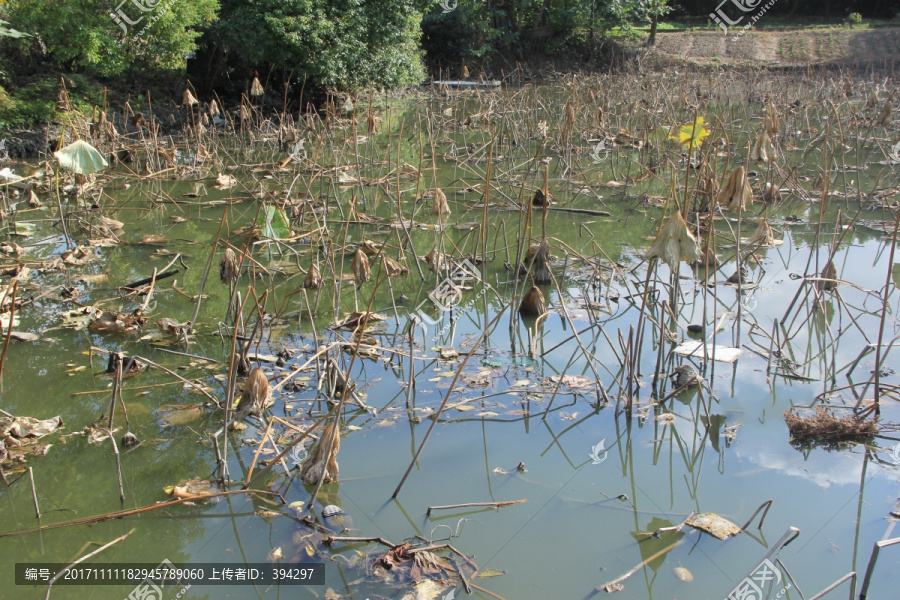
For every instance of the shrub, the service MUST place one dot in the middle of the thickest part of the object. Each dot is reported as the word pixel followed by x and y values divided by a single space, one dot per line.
pixel 450 38
pixel 81 34
pixel 341 43
pixel 854 18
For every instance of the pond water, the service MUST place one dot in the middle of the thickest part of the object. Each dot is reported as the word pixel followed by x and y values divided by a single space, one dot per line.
pixel 600 465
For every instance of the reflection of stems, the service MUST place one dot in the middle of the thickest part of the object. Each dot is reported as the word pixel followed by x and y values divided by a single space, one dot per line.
pixel 887 288
pixel 494 504
pixel 12 316
pixel 610 586
pixel 84 558
pixel 440 409
pixel 137 511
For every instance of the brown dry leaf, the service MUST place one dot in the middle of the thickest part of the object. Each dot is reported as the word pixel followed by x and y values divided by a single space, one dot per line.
pixel 394 268
pixel 354 319
pixel 78 255
pixel 111 224
pixel 736 194
pixel 96 435
pixel 93 279
pixel 112 322
pixel 193 488
pixel 78 318
pixel 173 415
pixel 152 238
pixel 572 381
pixel 28 428
pixel 675 243
pixel 491 573
pixel 714 525
pixel 428 564
pixel 428 589
pixel 225 181
pixel 167 325
pixel 24 336
pixel 10 248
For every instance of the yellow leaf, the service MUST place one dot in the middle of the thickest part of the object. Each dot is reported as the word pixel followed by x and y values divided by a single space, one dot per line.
pixel 691 135
pixel 491 573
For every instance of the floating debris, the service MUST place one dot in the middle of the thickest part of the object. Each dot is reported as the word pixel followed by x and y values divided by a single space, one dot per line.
pixel 825 426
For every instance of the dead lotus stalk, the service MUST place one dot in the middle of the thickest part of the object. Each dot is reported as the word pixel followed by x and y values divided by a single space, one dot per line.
pixel 533 304
pixel 229 269
pixel 763 236
pixel 763 150
pixel 675 243
pixel 360 266
pixel 440 205
pixel 187 98
pixel 256 88
pixel 313 277
pixel 537 258
pixel 436 260
pixel 736 195
pixel 325 449
pixel 255 396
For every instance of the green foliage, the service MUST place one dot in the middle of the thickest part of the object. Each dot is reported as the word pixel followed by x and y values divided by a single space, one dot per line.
pixel 9 32
pixel 273 223
pixel 854 18
pixel 342 43
pixel 81 34
pixel 28 105
pixel 450 38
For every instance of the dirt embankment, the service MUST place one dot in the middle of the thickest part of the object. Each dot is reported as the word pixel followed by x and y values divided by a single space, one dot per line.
pixel 798 48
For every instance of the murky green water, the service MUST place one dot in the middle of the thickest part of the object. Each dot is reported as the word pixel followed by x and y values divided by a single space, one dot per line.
pixel 585 520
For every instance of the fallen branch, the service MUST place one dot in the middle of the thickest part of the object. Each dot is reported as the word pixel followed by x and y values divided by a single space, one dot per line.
pixel 82 559
pixel 149 362
pixel 661 530
pixel 136 284
pixel 494 504
pixel 135 511
pixel 615 584
pixel 582 211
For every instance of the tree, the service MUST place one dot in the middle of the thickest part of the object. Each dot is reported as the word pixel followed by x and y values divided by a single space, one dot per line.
pixel 652 10
pixel 346 44
pixel 100 37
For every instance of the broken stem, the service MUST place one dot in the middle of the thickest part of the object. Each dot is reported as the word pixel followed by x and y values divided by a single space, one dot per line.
pixel 468 504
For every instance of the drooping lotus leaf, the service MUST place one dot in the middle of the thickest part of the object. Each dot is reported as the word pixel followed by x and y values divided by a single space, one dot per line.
pixel 80 157
pixel 675 243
